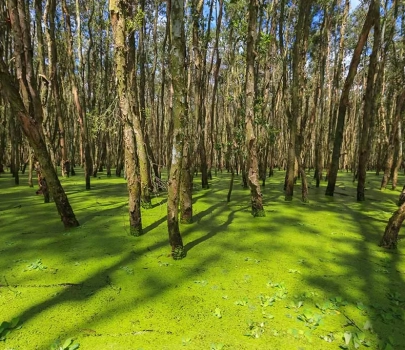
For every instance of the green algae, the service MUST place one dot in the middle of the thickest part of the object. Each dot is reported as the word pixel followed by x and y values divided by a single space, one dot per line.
pixel 306 276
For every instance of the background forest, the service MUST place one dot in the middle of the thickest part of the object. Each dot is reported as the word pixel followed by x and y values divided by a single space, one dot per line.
pixel 141 87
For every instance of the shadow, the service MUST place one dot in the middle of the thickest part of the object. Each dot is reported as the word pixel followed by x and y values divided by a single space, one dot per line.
pixel 213 232
pixel 153 225
pixel 353 258
pixel 163 201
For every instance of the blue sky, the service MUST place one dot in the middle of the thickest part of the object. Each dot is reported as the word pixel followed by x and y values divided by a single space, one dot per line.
pixel 354 3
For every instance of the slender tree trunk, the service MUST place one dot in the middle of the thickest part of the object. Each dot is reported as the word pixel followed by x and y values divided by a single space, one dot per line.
pixel 77 99
pixel 179 112
pixel 344 100
pixel 119 14
pixel 389 160
pixel 370 106
pixel 186 186
pixel 252 161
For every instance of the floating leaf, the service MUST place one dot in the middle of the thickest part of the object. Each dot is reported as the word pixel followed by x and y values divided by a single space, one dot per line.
pixel 347 337
pixel 67 343
pixel 217 312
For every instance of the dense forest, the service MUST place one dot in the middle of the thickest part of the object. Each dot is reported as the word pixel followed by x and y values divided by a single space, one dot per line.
pixel 187 89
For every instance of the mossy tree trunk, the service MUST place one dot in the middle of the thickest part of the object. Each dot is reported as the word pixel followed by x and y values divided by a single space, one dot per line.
pixel 390 237
pixel 118 14
pixel 26 104
pixel 179 112
pixel 141 133
pixel 252 159
pixel 186 186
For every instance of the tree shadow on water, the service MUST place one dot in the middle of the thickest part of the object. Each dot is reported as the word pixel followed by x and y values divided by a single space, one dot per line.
pixel 214 231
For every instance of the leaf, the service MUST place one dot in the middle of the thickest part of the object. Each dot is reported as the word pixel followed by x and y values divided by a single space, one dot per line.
pixel 14 322
pixel 74 346
pixel 5 325
pixel 361 306
pixel 368 326
pixel 347 337
pixel 67 343
pixel 217 312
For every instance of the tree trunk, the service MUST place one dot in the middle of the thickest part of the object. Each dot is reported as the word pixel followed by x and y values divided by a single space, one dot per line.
pixel 133 180
pixel 179 112
pixel 119 14
pixel 389 158
pixel 77 99
pixel 370 106
pixel 390 237
pixel 344 100
pixel 186 186
pixel 252 161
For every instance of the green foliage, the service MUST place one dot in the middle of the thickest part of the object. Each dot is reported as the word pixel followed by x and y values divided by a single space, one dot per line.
pixel 186 341
pixel 353 340
pixel 36 265
pixel 310 319
pixel 128 270
pixel 295 306
pixel 68 344
pixel 135 23
pixel 247 270
pixel 217 313
pixel 255 329
pixel 299 333
pixel 7 327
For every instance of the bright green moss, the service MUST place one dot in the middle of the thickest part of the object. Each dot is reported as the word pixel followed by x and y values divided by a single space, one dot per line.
pixel 298 278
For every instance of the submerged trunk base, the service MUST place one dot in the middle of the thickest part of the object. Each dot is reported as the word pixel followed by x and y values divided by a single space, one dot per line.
pixel 135 231
pixel 256 212
pixel 178 252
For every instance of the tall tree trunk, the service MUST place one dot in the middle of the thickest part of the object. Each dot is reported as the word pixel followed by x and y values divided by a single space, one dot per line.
pixel 344 100
pixel 295 116
pixel 49 18
pixel 370 106
pixel 77 98
pixel 179 112
pixel 252 161
pixel 119 14
pixel 389 159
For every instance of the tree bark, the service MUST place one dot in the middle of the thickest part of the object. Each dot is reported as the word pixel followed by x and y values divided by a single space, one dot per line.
pixel 186 185
pixel 77 99
pixel 370 106
pixel 344 100
pixel 389 159
pixel 179 111
pixel 390 237
pixel 252 161
pixel 118 13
